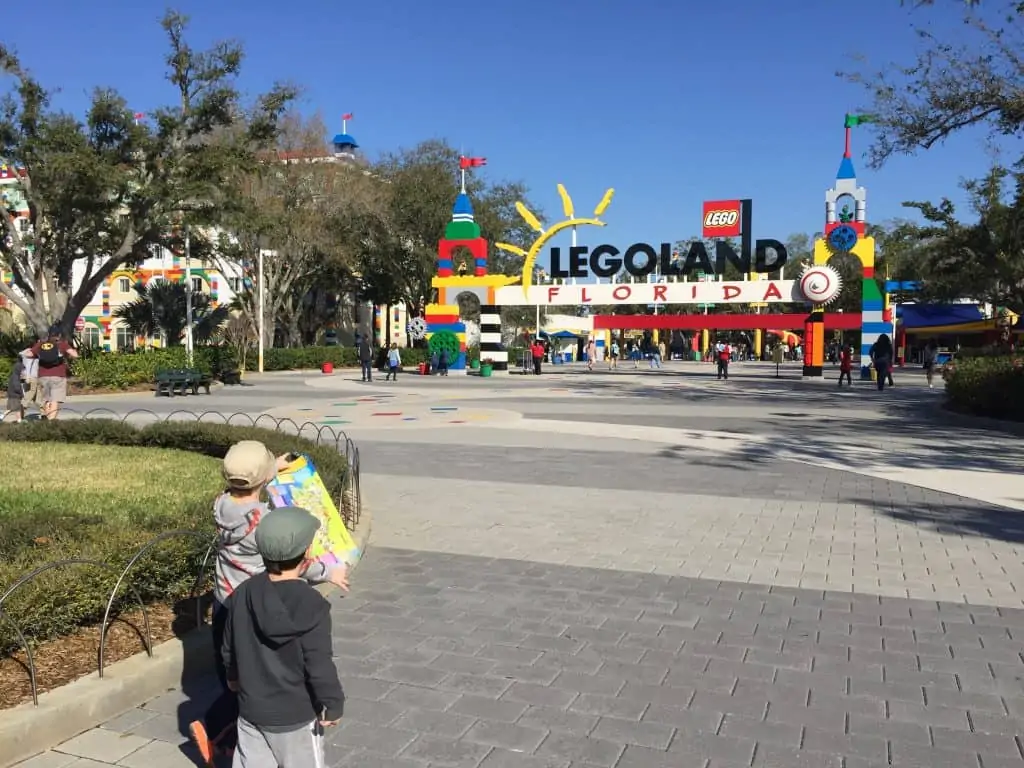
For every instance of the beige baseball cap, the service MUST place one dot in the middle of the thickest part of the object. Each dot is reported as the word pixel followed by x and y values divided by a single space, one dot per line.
pixel 248 464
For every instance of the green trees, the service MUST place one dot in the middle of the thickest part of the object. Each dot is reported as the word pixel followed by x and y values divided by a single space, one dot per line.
pixel 161 310
pixel 974 82
pixel 107 191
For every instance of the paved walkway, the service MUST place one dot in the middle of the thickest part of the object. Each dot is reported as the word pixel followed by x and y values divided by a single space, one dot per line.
pixel 644 570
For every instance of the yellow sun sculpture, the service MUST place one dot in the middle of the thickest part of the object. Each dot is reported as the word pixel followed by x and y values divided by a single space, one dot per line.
pixel 545 235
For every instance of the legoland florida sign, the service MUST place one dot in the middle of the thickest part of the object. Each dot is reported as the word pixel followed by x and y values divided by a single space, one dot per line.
pixel 641 260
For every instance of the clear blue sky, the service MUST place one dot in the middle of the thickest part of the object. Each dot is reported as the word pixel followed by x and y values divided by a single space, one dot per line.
pixel 671 103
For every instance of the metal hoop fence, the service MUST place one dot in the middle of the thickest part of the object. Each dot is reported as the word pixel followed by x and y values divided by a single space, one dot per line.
pixel 349 503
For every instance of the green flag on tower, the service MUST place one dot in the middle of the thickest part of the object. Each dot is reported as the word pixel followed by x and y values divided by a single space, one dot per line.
pixel 852 121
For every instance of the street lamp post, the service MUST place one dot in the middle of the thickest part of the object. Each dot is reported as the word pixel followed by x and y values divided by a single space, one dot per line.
pixel 259 311
pixel 188 299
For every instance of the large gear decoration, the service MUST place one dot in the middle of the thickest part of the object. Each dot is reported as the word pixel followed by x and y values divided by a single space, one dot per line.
pixel 842 239
pixel 418 328
pixel 445 340
pixel 820 285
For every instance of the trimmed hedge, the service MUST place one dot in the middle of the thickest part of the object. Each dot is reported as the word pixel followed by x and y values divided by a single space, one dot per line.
pixel 121 370
pixel 64 599
pixel 986 386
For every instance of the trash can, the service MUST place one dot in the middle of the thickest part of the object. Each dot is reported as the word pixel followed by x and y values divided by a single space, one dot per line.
pixel 422 369
pixel 486 369
pixel 327 368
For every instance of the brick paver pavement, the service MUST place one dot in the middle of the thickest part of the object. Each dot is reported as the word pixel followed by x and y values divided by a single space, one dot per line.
pixel 539 599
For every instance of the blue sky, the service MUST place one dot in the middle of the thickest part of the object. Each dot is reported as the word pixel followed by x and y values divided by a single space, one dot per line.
pixel 671 103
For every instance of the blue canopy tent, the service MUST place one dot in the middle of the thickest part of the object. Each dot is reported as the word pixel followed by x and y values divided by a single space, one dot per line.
pixel 940 318
pixel 559 336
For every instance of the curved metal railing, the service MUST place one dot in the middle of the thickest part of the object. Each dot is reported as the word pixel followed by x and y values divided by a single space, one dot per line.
pixel 349 504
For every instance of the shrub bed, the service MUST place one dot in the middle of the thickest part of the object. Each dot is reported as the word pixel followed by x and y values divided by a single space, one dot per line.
pixel 987 386
pixel 100 490
pixel 124 370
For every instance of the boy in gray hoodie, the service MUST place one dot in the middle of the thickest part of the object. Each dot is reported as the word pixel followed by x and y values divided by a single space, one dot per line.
pixel 248 467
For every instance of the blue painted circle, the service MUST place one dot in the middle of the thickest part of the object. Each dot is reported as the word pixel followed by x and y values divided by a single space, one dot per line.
pixel 843 238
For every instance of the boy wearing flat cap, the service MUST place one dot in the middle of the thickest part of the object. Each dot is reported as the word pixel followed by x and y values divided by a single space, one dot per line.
pixel 277 651
pixel 248 467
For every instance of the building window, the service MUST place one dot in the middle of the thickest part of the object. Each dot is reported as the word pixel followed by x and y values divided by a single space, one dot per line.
pixel 124 285
pixel 235 284
pixel 24 225
pixel 197 285
pixel 91 337
pixel 124 339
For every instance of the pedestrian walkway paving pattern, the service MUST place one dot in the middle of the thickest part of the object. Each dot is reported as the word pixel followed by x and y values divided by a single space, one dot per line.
pixel 453 660
pixel 584 591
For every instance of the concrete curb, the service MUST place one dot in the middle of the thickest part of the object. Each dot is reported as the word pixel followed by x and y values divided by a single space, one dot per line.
pixel 65 712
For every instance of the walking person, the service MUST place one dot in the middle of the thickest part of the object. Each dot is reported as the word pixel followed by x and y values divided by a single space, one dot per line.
pixel 931 352
pixel 656 356
pixel 394 362
pixel 591 354
pixel 724 352
pixel 537 353
pixel 15 393
pixel 53 354
pixel 881 357
pixel 31 381
pixel 442 363
pixel 366 357
pixel 846 366
pixel 278 652
pixel 613 358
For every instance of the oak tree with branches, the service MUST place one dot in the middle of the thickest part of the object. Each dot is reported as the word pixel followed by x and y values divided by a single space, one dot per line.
pixel 107 191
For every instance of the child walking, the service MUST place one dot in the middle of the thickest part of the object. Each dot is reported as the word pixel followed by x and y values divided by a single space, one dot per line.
pixel 15 393
pixel 278 655
pixel 248 467
pixel 846 366
pixel 394 362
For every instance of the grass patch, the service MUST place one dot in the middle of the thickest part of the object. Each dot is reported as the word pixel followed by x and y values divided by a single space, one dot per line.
pixel 97 502
pixel 104 484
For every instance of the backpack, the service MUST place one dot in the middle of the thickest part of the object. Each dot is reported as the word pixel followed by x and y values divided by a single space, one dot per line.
pixel 50 355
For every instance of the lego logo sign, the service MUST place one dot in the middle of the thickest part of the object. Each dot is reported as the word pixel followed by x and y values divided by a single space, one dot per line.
pixel 718 219
pixel 722 218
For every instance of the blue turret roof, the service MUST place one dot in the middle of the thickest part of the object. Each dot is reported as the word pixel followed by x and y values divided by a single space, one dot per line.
pixel 846 169
pixel 462 206
pixel 344 140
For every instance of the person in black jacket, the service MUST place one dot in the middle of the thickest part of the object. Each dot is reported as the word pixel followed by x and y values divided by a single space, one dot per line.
pixel 277 652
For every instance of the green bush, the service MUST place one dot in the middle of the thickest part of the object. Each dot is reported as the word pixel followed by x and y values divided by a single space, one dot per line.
pixel 89 507
pixel 987 386
pixel 121 370
pixel 97 369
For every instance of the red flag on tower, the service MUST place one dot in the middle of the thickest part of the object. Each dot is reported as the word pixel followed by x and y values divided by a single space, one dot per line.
pixel 139 115
pixel 472 162
pixel 347 116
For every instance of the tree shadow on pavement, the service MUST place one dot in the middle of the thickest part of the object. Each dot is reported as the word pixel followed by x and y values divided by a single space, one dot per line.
pixel 963 517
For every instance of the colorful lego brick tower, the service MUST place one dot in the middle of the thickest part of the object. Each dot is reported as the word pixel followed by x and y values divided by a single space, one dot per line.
pixel 462 232
pixel 845 233
pixel 445 329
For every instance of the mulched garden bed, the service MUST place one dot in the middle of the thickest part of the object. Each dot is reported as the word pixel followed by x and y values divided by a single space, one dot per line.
pixel 65 659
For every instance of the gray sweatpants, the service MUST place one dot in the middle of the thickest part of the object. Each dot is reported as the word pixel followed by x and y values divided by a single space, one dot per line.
pixel 301 748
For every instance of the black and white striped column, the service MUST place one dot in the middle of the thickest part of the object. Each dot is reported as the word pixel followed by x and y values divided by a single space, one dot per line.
pixel 490 337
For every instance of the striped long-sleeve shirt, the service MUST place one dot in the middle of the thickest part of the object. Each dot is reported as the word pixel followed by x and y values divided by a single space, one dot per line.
pixel 237 556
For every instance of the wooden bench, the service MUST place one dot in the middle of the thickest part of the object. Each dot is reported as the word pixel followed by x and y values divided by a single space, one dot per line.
pixel 181 381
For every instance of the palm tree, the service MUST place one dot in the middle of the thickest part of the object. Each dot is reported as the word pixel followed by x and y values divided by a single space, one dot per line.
pixel 161 310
